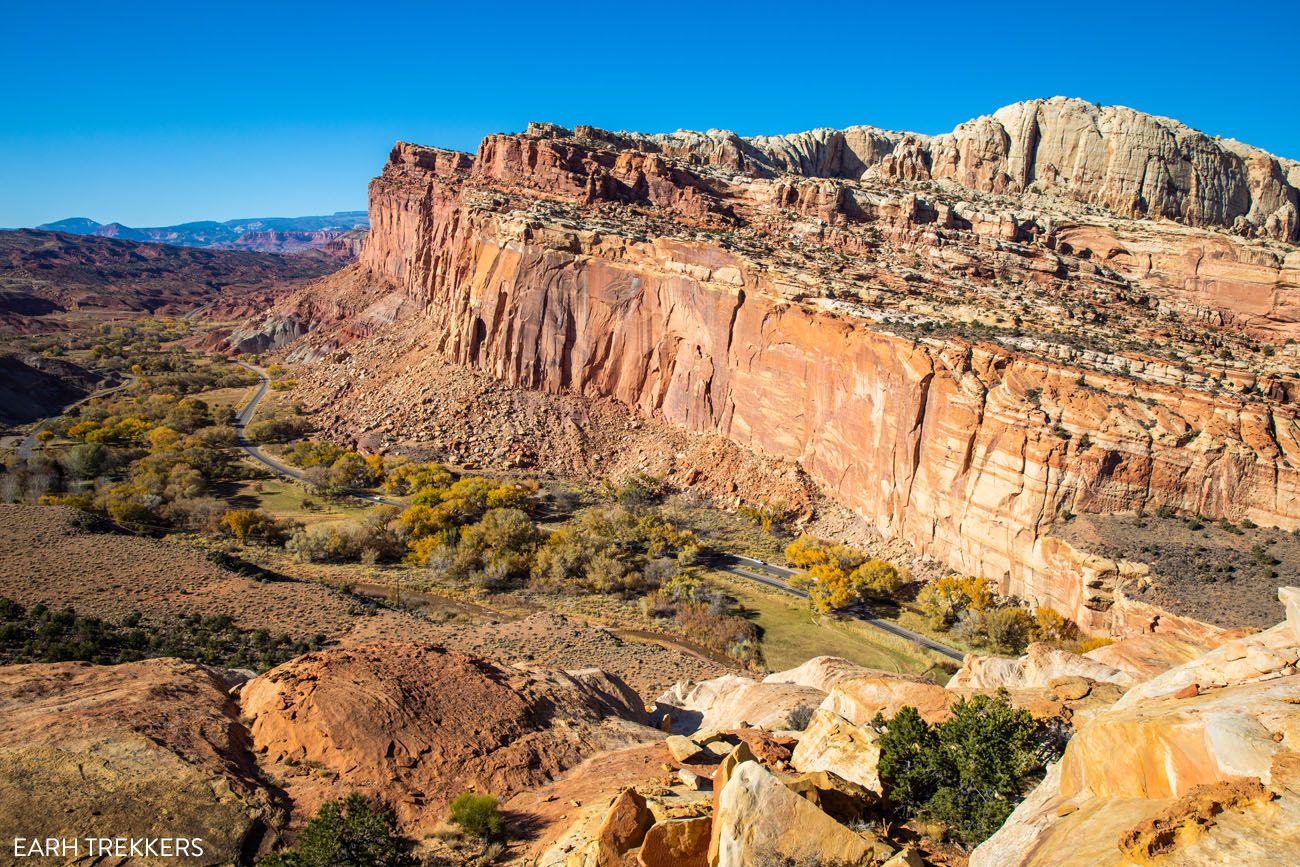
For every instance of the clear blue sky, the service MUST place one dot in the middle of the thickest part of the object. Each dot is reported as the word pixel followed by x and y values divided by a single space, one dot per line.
pixel 196 109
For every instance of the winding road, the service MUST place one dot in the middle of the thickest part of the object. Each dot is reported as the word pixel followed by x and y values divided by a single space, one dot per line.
pixel 771 575
pixel 28 443
pixel 777 577
pixel 245 416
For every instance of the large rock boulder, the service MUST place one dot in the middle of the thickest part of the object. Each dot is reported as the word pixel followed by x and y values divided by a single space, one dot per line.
pixel 621 831
pixel 142 749
pixel 731 702
pixel 677 843
pixel 859 699
pixel 1040 665
pixel 759 820
pixel 832 743
pixel 414 725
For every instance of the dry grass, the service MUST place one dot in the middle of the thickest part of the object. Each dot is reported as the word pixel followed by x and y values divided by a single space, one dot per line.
pixel 792 635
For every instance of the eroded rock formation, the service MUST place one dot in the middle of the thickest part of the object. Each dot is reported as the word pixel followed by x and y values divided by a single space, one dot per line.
pixel 144 749
pixel 1199 764
pixel 960 367
pixel 415 725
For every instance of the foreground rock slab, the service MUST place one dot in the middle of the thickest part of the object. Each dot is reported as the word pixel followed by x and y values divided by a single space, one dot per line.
pixel 414 725
pixel 1200 765
pixel 142 749
pixel 759 820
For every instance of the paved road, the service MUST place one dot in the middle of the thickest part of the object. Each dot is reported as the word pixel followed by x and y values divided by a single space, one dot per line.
pixel 771 575
pixel 245 416
pixel 29 442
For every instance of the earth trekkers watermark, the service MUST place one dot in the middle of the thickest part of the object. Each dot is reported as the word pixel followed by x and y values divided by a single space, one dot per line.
pixel 108 847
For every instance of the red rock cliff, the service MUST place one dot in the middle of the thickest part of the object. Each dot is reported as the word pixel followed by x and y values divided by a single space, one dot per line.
pixel 841 323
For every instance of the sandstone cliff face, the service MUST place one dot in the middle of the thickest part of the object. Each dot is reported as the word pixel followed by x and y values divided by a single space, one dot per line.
pixel 1130 163
pixel 780 293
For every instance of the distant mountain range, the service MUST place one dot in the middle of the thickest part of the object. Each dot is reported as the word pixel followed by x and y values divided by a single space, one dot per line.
pixel 261 234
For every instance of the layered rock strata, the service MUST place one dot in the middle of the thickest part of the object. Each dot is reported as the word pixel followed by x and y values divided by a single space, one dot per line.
pixel 1198 765
pixel 822 298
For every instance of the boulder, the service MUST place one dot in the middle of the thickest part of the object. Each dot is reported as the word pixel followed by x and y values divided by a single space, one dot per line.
pixel 1037 668
pixel 694 781
pixel 908 857
pixel 832 743
pixel 622 830
pixel 721 776
pixel 859 699
pixel 677 843
pixel 731 702
pixel 760 820
pixel 838 798
pixel 683 749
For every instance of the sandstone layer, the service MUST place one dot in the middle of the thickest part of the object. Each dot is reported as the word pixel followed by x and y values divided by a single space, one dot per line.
pixel 1199 765
pixel 415 725
pixel 145 749
pixel 963 338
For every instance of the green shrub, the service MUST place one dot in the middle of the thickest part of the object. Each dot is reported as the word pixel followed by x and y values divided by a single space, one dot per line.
pixel 353 833
pixel 968 772
pixel 477 815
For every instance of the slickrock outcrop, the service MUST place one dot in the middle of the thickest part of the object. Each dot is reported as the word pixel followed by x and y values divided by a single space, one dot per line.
pixel 1040 665
pixel 145 749
pixel 820 672
pixel 730 702
pixel 414 725
pixel 1145 656
pixel 963 338
pixel 857 694
pixel 1266 655
pixel 1201 773
pixel 860 699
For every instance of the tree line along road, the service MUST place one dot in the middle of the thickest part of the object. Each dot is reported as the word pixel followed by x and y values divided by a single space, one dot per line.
pixel 732 564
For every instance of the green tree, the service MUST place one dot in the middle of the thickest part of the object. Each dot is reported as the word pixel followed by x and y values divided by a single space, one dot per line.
pixel 968 772
pixel 353 833
pixel 86 461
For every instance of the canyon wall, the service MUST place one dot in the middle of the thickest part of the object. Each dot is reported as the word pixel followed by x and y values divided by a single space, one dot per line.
pixel 1130 163
pixel 591 267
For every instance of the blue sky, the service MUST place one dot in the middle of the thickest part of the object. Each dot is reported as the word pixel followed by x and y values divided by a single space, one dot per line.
pixel 159 113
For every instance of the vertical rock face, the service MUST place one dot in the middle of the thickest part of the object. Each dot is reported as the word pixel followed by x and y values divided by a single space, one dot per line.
pixel 1130 163
pixel 789 293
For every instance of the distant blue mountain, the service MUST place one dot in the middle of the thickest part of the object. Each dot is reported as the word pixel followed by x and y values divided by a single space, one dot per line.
pixel 73 226
pixel 254 233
